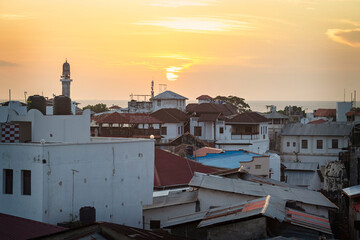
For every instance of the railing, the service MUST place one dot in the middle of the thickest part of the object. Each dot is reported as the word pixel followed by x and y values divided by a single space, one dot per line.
pixel 248 136
pixel 127 132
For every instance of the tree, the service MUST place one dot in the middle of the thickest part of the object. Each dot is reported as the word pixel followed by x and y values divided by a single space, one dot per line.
pixel 238 103
pixel 97 108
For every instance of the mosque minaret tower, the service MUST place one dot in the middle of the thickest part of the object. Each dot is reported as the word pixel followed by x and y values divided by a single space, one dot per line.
pixel 65 79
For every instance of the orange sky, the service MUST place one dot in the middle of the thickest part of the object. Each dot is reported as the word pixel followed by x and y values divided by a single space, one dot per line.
pixel 258 50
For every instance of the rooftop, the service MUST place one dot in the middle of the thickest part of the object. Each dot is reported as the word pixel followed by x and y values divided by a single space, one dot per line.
pixel 204 97
pixel 325 129
pixel 224 109
pixel 169 95
pixel 173 170
pixel 248 117
pixel 227 159
pixel 126 118
pixel 352 192
pixel 12 227
pixel 321 112
pixel 170 115
pixel 244 187
pixel 275 115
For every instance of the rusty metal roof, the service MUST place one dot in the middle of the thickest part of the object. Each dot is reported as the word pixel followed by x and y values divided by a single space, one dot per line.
pixel 267 206
pixel 209 117
pixel 170 115
pixel 247 117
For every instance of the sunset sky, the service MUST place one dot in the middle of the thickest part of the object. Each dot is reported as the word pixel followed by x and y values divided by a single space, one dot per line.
pixel 258 49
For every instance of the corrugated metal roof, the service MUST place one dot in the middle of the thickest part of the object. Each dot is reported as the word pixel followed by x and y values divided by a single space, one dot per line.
pixel 353 191
pixel 311 166
pixel 321 112
pixel 325 129
pixel 170 115
pixel 307 220
pixel 208 117
pixel 169 95
pixel 261 190
pixel 299 178
pixel 267 206
pixel 173 198
pixel 127 118
pixel 228 159
pixel 275 115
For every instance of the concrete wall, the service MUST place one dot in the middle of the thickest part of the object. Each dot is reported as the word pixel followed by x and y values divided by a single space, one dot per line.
pixel 211 198
pixel 165 213
pixel 168 103
pixel 114 177
pixel 172 130
pixel 250 229
pixel 56 128
pixel 311 153
pixel 262 162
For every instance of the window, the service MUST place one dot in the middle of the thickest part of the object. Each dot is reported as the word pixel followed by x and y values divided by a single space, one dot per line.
pixel 335 143
pixel 26 182
pixel 197 131
pixel 319 144
pixel 304 144
pixel 8 181
pixel 159 103
pixel 221 130
pixel 154 224
pixel 179 131
pixel 257 166
pixel 163 130
pixel 288 144
pixel 294 144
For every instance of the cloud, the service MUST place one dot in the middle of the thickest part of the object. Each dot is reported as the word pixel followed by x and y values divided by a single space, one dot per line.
pixel 199 24
pixel 7 16
pixel 7 64
pixel 350 37
pixel 182 3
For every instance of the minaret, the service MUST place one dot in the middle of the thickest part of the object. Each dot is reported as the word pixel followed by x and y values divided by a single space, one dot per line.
pixel 65 79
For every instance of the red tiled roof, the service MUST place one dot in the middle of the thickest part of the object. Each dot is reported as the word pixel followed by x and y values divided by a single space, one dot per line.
pixel 225 109
pixel 319 121
pixel 248 117
pixel 171 169
pixel 12 227
pixel 208 117
pixel 353 113
pixel 170 115
pixel 114 107
pixel 325 112
pixel 204 97
pixel 129 118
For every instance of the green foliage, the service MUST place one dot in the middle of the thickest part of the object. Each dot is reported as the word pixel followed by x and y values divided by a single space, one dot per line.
pixel 293 110
pixel 237 102
pixel 97 108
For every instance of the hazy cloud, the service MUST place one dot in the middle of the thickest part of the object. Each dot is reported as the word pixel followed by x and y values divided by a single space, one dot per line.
pixel 7 64
pixel 350 37
pixel 199 24
pixel 8 16
pixel 181 3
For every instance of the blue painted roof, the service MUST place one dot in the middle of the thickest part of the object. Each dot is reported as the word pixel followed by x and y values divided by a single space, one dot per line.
pixel 228 159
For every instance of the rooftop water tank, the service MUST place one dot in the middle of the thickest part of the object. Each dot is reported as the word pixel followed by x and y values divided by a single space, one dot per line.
pixel 62 105
pixel 37 102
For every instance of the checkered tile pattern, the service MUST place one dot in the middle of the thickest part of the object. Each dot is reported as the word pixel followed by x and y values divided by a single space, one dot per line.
pixel 10 133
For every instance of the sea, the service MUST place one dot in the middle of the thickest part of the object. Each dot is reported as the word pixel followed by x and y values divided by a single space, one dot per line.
pixel 258 106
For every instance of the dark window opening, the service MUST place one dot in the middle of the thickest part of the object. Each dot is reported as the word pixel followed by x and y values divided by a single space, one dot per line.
pixel 288 144
pixel 294 144
pixel 319 144
pixel 26 182
pixel 304 144
pixel 221 130
pixel 163 130
pixel 335 143
pixel 8 181
pixel 197 131
pixel 154 224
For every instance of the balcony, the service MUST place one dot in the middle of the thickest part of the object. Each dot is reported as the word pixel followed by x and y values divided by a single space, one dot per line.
pixel 245 136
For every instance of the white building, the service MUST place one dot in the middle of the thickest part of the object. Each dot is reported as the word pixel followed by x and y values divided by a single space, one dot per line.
pixel 247 131
pixel 50 168
pixel 319 143
pixel 174 122
pixel 168 99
